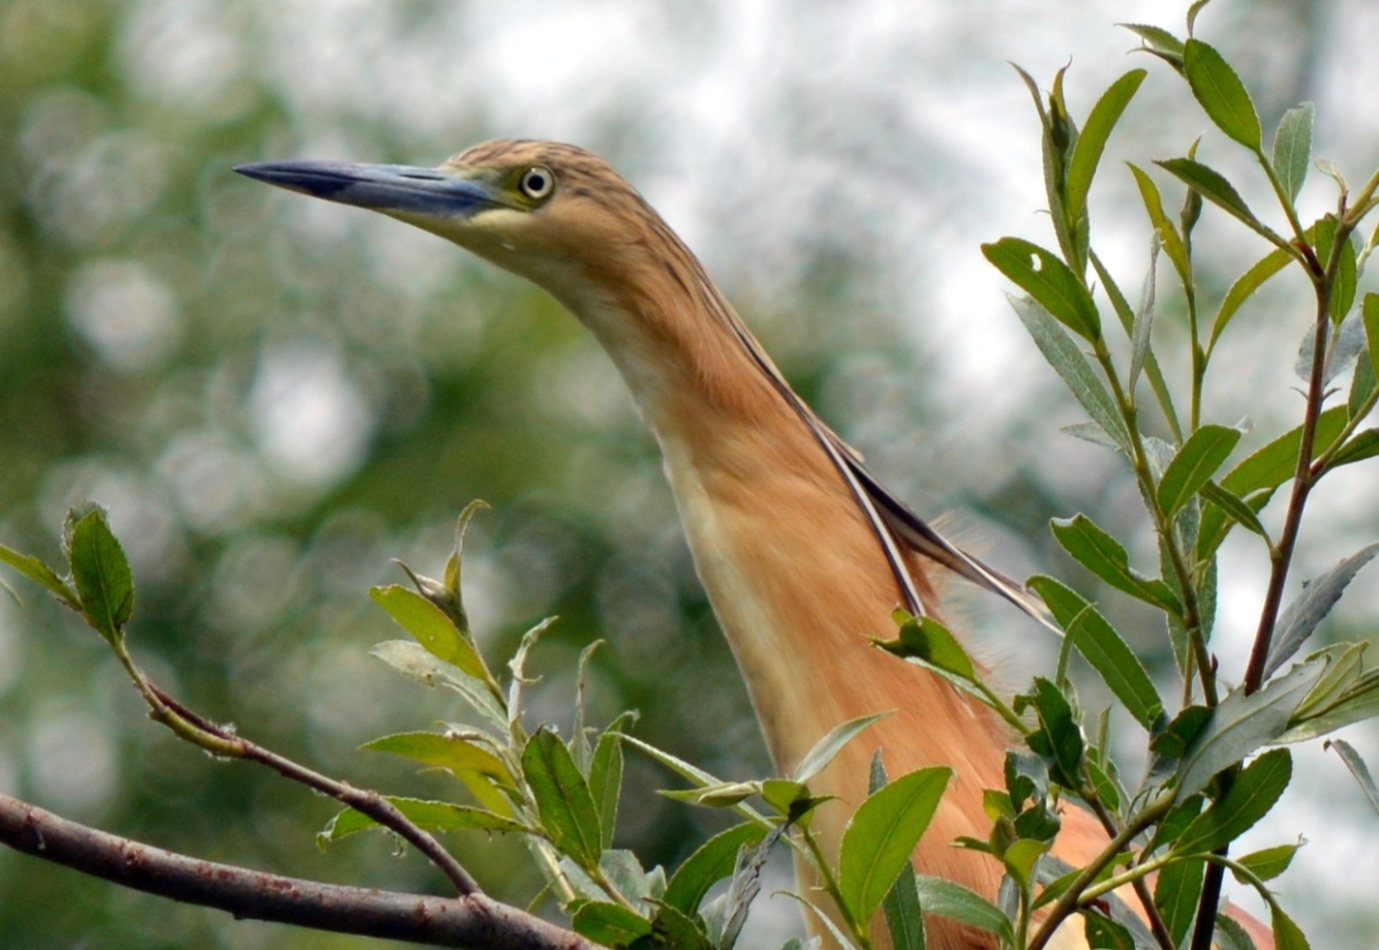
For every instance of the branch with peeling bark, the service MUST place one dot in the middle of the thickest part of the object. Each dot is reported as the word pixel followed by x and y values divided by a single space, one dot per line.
pixel 475 920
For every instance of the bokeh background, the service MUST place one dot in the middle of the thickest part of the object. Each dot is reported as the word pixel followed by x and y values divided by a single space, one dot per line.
pixel 274 396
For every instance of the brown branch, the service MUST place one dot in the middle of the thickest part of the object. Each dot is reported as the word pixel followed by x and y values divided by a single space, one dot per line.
pixel 474 921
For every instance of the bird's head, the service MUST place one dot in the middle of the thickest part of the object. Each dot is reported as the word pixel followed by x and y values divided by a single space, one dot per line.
pixel 553 213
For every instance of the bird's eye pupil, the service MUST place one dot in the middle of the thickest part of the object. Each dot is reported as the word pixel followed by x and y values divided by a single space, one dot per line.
pixel 536 182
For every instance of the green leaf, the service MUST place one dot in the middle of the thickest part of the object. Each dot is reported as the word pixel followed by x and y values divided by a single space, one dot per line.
pixel 611 925
pixel 427 815
pixel 605 781
pixel 1241 724
pixel 1021 857
pixel 102 575
pixel 1092 141
pixel 1049 281
pixel 40 573
pixel 1176 893
pixel 1323 234
pixel 1230 935
pixel 941 898
pixel 713 861
pixel 1365 445
pixel 1142 327
pixel 412 659
pixel 1235 508
pixel 1169 239
pixel 1293 148
pixel 1064 356
pixel 677 931
pixel 1317 599
pixel 1216 189
pixel 1104 556
pixel 1105 649
pixel 1059 736
pixel 689 772
pixel 1160 42
pixel 1244 286
pixel 818 758
pixel 1268 863
pixel 432 628
pixel 1371 318
pixel 1277 462
pixel 1287 935
pixel 1179 734
pixel 925 641
pixel 1205 451
pixel 1357 768
pixel 1221 93
pixel 882 835
pixel 904 915
pixel 448 752
pixel 1105 934
pixel 563 801
pixel 1254 792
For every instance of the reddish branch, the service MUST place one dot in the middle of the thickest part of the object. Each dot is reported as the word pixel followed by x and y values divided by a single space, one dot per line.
pixel 474 921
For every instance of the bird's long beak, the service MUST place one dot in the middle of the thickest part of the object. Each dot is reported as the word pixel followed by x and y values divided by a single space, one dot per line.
pixel 391 189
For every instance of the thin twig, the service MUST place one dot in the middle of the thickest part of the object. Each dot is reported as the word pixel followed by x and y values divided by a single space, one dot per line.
pixel 474 921
pixel 362 800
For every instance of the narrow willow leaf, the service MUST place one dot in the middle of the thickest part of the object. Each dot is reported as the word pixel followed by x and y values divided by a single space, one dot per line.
pixel 818 758
pixel 904 915
pixel 605 781
pixel 1358 702
pixel 1362 387
pixel 674 929
pixel 1205 451
pixel 1293 148
pixel 412 659
pixel 1317 599
pixel 1059 736
pixel 1092 140
pixel 882 835
pixel 1277 462
pixel 941 898
pixel 1221 93
pixel 1251 796
pixel 1357 768
pixel 427 815
pixel 1235 507
pixel 932 644
pixel 832 927
pixel 1175 894
pixel 1370 315
pixel 1048 280
pixel 1102 933
pixel 567 810
pixel 1244 287
pixel 1242 724
pixel 1268 863
pixel 1104 556
pixel 689 772
pixel 1365 445
pixel 1105 649
pixel 41 574
pixel 1169 238
pixel 1287 934
pixel 1159 42
pixel 431 626
pixel 611 925
pixel 1220 192
pixel 1141 330
pixel 101 573
pixel 1230 935
pixel 1068 361
pixel 1193 12
pixel 448 752
pixel 711 863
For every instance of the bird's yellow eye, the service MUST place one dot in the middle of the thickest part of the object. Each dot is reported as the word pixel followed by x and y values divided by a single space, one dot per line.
pixel 537 182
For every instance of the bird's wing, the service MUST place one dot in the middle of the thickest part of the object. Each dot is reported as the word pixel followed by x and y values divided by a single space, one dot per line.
pixel 891 519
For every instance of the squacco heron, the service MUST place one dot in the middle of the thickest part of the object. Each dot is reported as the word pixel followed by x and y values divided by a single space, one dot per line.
pixel 801 550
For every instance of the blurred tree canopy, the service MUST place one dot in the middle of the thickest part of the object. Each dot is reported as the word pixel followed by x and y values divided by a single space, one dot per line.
pixel 273 396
